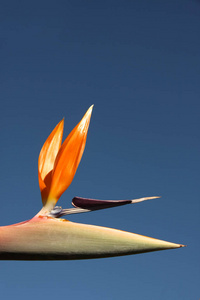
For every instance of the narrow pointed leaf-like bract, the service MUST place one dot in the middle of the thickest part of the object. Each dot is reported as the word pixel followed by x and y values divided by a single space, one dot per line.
pixel 95 204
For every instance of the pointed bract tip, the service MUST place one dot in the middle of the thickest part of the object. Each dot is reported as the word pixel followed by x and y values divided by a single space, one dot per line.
pixel 154 197
pixel 144 199
pixel 182 245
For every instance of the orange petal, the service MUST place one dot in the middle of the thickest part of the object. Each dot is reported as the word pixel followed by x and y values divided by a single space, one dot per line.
pixel 68 158
pixel 47 158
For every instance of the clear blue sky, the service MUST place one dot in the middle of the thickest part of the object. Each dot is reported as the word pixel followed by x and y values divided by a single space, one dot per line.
pixel 138 62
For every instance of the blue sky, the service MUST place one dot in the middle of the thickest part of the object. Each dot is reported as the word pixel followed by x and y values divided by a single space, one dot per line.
pixel 138 62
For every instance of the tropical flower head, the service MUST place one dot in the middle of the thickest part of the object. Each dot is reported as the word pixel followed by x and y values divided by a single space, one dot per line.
pixel 49 237
pixel 57 163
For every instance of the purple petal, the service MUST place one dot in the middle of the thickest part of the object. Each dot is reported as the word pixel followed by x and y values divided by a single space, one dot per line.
pixel 94 204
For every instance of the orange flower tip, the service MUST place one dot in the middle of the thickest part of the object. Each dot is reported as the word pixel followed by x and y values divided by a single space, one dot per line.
pixel 89 111
pixel 91 107
pixel 84 123
pixel 61 123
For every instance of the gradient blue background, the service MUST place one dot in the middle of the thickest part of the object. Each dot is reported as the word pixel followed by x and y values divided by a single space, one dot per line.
pixel 138 62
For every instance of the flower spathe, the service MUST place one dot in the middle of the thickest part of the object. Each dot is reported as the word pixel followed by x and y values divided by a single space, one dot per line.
pixel 57 163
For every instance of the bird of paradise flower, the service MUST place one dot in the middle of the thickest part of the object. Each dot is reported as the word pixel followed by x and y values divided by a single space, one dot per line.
pixel 47 236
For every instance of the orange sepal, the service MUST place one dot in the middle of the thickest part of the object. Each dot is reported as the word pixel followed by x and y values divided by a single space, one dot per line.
pixel 68 158
pixel 47 158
